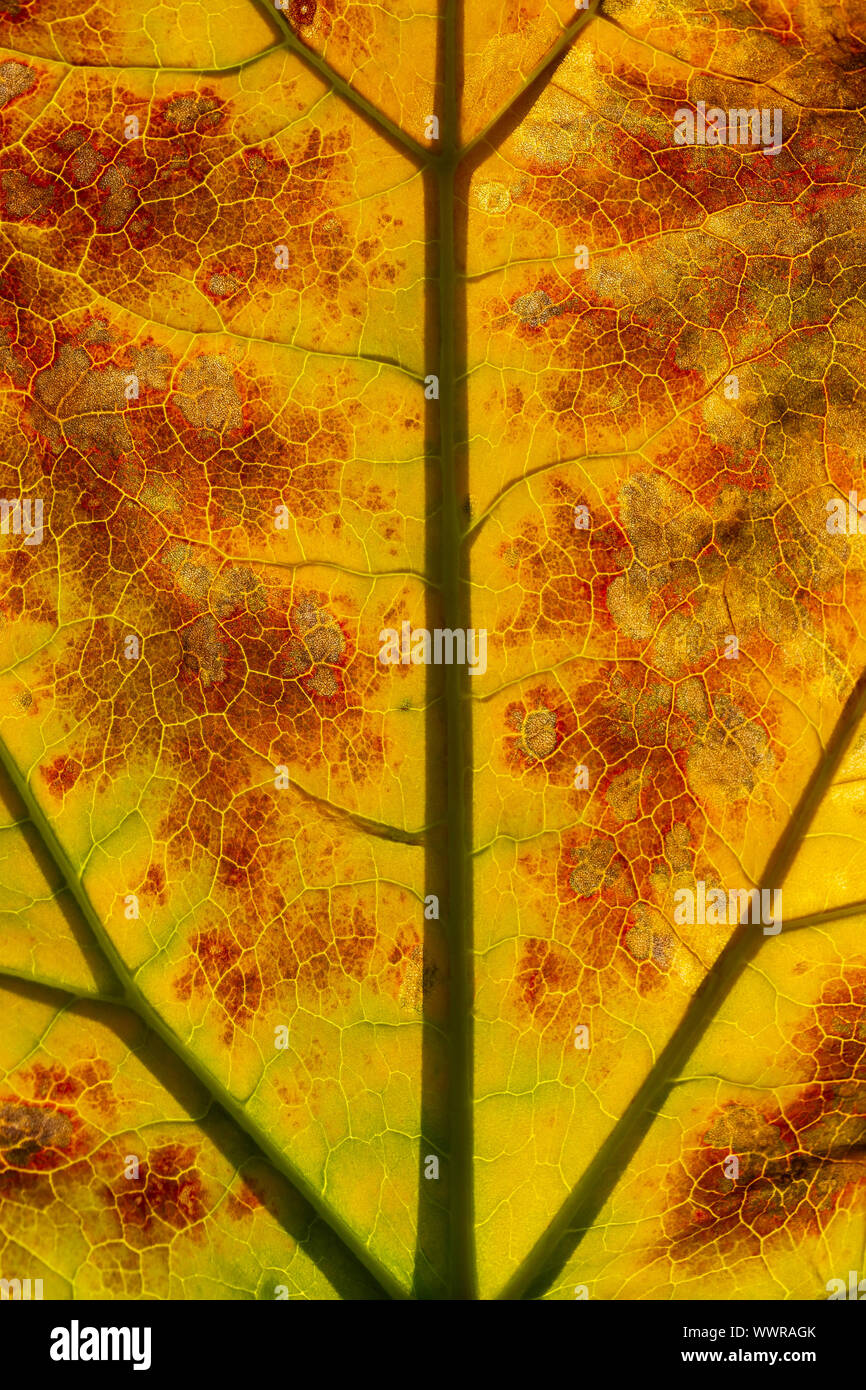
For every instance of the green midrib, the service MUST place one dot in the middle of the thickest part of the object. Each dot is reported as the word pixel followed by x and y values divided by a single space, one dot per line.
pixel 461 1271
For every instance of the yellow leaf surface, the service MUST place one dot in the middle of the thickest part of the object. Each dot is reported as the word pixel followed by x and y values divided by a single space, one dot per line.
pixel 336 963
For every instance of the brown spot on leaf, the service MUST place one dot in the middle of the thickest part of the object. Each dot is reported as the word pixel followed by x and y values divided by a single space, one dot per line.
pixel 61 775
pixel 15 79
pixel 799 1161
pixel 302 13
pixel 596 867
pixel 201 113
pixel 208 397
pixel 168 1195
pixel 27 1130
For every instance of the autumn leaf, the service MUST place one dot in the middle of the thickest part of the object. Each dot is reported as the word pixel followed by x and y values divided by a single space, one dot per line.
pixel 432 713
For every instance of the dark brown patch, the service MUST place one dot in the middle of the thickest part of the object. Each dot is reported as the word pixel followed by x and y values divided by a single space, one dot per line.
pixel 61 775
pixel 168 1195
pixel 27 1130
pixel 302 13
pixel 798 1163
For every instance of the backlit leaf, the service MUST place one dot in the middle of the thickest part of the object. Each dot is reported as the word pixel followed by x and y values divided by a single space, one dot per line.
pixel 331 969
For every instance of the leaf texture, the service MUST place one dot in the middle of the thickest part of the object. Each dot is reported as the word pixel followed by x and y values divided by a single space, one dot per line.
pixel 331 976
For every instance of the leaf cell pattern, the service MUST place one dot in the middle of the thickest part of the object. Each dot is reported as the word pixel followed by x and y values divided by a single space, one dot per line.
pixel 327 976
